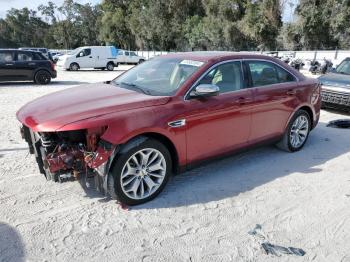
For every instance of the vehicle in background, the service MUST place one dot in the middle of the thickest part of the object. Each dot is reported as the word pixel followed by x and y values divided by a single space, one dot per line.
pixel 55 55
pixel 296 63
pixel 21 65
pixel 128 57
pixel 336 87
pixel 97 57
pixel 42 50
pixel 132 133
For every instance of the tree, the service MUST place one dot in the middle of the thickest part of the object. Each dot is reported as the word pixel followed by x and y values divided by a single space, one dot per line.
pixel 262 22
pixel 72 24
pixel 22 27
pixel 314 24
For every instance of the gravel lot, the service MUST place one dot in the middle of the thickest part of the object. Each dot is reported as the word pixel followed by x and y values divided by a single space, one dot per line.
pixel 300 200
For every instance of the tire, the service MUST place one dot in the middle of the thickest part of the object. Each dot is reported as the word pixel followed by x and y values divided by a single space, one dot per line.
pixel 141 61
pixel 137 175
pixel 42 77
pixel 74 67
pixel 297 133
pixel 110 66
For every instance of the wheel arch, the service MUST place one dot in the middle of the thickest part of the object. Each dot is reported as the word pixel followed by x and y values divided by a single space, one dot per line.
pixel 73 63
pixel 40 69
pixel 310 112
pixel 157 136
pixel 306 108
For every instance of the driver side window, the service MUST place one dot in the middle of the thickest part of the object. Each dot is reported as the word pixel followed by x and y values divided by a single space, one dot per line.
pixel 228 77
pixel 84 52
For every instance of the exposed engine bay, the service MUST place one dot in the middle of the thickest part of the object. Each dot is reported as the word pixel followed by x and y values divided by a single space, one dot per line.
pixel 70 155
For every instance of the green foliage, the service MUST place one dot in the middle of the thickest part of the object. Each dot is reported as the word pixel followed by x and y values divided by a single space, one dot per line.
pixel 180 25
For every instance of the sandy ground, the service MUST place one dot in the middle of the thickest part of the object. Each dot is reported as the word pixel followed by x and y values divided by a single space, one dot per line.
pixel 300 200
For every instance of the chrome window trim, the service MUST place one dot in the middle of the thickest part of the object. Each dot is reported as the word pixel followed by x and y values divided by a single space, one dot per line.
pixel 186 96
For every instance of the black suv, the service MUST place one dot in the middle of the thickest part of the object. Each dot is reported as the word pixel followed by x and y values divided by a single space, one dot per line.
pixel 19 65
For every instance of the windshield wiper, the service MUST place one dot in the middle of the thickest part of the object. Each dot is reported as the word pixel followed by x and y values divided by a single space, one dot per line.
pixel 146 92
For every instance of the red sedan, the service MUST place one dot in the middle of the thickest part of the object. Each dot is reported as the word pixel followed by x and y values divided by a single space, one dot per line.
pixel 165 115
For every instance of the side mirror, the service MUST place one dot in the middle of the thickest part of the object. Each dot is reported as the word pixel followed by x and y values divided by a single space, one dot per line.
pixel 205 90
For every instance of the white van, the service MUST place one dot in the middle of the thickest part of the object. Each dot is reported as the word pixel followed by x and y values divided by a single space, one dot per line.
pixel 98 57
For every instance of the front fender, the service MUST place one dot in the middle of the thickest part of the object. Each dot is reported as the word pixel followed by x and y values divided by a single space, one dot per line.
pixel 123 126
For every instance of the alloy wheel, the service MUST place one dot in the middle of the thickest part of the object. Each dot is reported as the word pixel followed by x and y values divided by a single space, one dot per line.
pixel 299 131
pixel 143 173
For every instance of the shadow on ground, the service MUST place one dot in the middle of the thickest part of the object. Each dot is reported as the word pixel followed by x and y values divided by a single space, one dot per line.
pixel 240 173
pixel 243 172
pixel 11 245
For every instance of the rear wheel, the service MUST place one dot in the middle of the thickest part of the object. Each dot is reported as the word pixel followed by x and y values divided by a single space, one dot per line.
pixel 141 172
pixel 74 67
pixel 42 77
pixel 297 132
pixel 110 66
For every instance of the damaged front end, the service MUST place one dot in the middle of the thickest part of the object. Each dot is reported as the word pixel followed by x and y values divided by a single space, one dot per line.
pixel 70 155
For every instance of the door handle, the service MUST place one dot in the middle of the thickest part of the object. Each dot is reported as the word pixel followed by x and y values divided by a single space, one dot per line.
pixel 243 100
pixel 291 92
pixel 31 64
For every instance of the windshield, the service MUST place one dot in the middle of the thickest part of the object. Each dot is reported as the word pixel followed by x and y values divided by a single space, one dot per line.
pixel 344 67
pixel 159 76
pixel 75 51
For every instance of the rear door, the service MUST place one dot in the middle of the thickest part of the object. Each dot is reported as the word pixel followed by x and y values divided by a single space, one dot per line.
pixel 7 65
pixel 274 90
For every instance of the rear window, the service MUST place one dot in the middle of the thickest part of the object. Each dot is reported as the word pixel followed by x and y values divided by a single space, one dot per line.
pixel 6 56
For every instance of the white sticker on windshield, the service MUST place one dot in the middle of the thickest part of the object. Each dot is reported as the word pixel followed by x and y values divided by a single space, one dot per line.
pixel 191 63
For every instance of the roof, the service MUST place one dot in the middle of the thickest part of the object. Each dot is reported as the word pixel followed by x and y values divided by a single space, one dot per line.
pixel 14 49
pixel 214 55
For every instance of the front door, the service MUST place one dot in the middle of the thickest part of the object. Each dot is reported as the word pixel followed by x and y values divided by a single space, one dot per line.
pixel 85 58
pixel 275 99
pixel 218 124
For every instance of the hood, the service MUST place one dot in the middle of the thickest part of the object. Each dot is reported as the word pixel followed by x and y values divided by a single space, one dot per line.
pixel 336 80
pixel 53 111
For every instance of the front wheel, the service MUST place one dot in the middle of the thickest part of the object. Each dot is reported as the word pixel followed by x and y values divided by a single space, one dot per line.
pixel 141 172
pixel 297 132
pixel 74 67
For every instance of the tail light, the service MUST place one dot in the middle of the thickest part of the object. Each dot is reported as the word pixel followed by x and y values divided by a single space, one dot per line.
pixel 316 94
pixel 52 65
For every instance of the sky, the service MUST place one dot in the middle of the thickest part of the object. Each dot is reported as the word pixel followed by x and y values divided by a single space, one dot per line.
pixel 288 12
pixel 6 5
